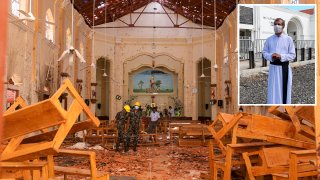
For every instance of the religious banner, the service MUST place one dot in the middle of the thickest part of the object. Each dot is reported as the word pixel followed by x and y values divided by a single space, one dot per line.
pixel 152 81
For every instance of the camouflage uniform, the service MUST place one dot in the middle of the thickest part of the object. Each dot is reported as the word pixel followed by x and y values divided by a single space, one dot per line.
pixel 121 118
pixel 134 126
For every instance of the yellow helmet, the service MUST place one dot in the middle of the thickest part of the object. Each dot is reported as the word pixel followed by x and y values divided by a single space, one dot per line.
pixel 137 103
pixel 127 108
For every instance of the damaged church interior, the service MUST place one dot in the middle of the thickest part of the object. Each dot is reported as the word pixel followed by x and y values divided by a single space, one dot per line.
pixel 144 90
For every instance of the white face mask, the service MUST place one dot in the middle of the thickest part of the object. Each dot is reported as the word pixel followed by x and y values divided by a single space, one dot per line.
pixel 277 28
pixel 136 107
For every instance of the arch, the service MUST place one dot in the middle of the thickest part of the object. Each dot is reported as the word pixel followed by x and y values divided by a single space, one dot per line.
pixel 152 55
pixel 68 38
pixel 204 88
pixel 295 25
pixel 153 60
pixel 103 87
pixel 49 25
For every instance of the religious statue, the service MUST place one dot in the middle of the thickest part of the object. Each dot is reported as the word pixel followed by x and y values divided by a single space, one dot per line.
pixel 152 83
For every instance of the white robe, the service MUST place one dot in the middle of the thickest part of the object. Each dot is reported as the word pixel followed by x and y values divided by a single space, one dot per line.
pixel 284 46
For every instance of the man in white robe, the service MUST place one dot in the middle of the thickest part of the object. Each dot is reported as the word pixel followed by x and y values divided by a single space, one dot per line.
pixel 279 49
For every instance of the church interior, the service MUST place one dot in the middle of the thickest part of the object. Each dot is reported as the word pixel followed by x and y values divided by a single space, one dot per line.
pixel 71 68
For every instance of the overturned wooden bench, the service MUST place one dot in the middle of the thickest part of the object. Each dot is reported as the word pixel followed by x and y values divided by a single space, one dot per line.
pixel 38 130
pixel 194 135
pixel 282 163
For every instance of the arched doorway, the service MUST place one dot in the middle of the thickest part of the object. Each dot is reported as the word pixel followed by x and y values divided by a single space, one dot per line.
pixel 103 88
pixel 295 29
pixel 204 89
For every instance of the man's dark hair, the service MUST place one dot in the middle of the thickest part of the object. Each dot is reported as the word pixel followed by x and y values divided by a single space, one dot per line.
pixel 280 19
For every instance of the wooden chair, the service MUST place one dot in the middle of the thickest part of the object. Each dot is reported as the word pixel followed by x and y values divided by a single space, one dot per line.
pixel 302 164
pixel 277 162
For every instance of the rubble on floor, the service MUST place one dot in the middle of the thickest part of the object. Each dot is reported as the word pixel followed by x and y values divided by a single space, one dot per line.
pixel 163 163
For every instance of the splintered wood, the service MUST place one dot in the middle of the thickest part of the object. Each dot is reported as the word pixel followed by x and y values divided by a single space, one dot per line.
pixel 37 131
pixel 282 146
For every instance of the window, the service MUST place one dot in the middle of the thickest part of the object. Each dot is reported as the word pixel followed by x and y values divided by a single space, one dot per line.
pixel 15 6
pixel 49 25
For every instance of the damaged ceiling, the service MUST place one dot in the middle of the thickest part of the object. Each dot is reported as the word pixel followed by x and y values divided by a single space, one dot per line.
pixel 190 9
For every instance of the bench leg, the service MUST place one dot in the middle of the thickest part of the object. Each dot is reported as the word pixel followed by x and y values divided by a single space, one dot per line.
pixel 26 175
pixel 36 174
pixel 50 166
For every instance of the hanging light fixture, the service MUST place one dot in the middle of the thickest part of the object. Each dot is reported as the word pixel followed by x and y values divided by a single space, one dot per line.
pixel 93 19
pixel 105 40
pixel 215 36
pixel 202 74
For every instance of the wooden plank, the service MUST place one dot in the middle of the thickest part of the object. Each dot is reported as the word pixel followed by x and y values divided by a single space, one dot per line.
pixel 294 118
pixel 269 126
pixel 22 165
pixel 78 98
pixel 30 119
pixel 73 113
pixel 274 110
pixel 226 117
pixel 19 102
pixel 291 142
pixel 277 156
pixel 48 136
pixel 50 166
pixel 72 171
pixel 26 152
pixel 306 113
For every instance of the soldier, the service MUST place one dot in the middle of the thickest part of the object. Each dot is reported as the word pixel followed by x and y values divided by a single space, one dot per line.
pixel 121 119
pixel 135 118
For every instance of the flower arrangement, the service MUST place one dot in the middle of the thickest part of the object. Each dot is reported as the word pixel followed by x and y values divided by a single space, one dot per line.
pixel 178 107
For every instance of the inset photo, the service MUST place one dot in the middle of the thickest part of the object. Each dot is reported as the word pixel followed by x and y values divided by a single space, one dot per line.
pixel 277 54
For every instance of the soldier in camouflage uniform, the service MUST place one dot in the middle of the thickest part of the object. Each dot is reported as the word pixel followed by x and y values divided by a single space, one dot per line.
pixel 134 126
pixel 121 119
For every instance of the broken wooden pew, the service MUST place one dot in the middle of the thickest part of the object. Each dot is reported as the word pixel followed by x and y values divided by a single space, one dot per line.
pixel 41 116
pixel 272 130
pixel 281 162
pixel 233 158
pixel 175 125
pixel 39 120
pixel 71 171
pixel 193 135
pixel 26 170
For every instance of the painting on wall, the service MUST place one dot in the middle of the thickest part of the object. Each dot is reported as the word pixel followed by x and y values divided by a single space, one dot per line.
pixel 152 81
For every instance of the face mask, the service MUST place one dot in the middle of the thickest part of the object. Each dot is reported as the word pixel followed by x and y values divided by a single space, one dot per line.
pixel 136 107
pixel 277 29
